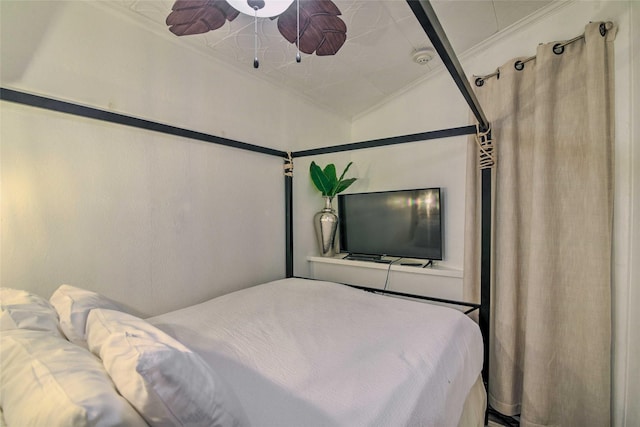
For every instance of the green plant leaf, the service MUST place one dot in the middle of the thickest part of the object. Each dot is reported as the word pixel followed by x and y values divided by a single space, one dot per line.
pixel 330 174
pixel 345 171
pixel 320 180
pixel 326 180
pixel 343 185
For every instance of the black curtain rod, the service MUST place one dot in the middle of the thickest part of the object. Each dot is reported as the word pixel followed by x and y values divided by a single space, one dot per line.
pixel 108 116
pixel 558 49
pixel 423 136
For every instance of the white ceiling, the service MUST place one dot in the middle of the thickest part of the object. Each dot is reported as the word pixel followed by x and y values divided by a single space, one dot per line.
pixel 374 63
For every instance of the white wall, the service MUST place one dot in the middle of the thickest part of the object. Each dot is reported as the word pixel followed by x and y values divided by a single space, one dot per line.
pixel 134 215
pixel 153 221
pixel 424 108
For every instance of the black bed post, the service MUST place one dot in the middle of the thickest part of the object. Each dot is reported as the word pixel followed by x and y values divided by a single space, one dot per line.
pixel 428 19
pixel 485 267
pixel 288 213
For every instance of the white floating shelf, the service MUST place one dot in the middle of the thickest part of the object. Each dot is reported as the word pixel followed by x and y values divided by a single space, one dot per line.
pixel 436 270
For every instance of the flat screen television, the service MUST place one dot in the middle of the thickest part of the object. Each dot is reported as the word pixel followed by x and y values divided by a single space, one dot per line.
pixel 404 223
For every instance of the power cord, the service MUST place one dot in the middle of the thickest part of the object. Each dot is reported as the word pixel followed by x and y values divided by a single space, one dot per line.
pixel 386 280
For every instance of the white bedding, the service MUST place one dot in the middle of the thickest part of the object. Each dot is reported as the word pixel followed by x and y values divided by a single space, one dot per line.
pixel 309 353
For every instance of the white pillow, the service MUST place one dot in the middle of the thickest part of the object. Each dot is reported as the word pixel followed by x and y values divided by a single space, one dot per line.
pixel 20 309
pixel 165 381
pixel 46 380
pixel 73 306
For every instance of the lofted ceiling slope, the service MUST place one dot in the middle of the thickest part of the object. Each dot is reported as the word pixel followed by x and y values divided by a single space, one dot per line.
pixel 375 62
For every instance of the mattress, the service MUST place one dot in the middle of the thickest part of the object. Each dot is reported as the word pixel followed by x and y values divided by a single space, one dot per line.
pixel 304 352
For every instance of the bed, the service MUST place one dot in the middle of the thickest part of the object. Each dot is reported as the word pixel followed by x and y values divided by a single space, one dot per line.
pixel 286 353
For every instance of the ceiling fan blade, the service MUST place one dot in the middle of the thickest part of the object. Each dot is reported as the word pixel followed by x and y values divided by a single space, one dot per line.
pixel 321 29
pixel 199 16
pixel 332 42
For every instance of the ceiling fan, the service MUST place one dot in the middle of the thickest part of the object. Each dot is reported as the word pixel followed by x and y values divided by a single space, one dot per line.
pixel 312 25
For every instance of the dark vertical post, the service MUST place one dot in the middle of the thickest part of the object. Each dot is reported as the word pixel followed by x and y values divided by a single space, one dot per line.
pixel 485 268
pixel 288 212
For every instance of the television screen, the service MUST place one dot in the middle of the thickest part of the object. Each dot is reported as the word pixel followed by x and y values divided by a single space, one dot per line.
pixel 405 223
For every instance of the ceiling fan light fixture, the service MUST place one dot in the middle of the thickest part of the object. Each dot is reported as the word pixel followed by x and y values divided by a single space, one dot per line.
pixel 312 25
pixel 269 9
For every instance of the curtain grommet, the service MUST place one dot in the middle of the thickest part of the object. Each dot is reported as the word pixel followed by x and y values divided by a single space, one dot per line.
pixel 558 48
pixel 603 29
pixel 479 82
pixel 519 65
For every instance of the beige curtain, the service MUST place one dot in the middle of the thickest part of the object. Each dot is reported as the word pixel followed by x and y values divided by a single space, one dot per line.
pixel 552 124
